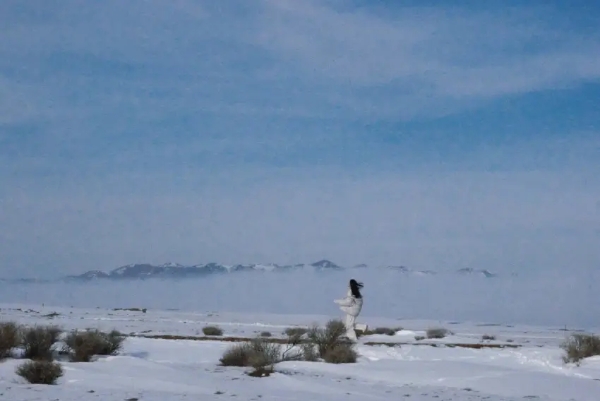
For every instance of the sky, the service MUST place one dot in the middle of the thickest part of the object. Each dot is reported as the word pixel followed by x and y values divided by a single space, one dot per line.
pixel 435 135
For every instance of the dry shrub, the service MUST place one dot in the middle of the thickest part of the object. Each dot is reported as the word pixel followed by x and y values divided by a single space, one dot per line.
pixel 265 334
pixel 143 310
pixel 384 330
pixel 236 355
pixel 309 352
pixel 295 331
pixel 82 346
pixel 259 352
pixel 580 346
pixel 437 332
pixel 419 338
pixel 261 355
pixel 326 338
pixel 40 372
pixel 38 341
pixel 212 331
pixel 488 337
pixel 341 353
pixel 9 338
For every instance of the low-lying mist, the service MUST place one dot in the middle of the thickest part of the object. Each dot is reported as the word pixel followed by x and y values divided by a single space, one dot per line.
pixel 555 299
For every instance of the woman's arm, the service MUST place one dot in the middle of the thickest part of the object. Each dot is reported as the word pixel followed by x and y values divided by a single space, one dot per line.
pixel 348 301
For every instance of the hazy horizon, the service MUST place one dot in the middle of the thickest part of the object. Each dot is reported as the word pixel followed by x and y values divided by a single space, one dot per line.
pixel 552 300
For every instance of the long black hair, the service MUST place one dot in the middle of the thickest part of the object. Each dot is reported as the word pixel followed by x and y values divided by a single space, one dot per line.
pixel 355 287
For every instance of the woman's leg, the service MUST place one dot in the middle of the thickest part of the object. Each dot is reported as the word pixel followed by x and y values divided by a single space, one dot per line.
pixel 350 333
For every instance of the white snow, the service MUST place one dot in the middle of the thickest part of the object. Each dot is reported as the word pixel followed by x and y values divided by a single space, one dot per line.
pixel 166 370
pixel 268 267
pixel 172 265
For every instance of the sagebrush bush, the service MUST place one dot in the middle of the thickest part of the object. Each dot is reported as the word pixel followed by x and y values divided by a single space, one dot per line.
pixel 295 331
pixel 265 334
pixel 437 332
pixel 9 338
pixel 327 338
pixel 341 353
pixel 236 355
pixel 83 345
pixel 212 331
pixel 309 352
pixel 258 352
pixel 385 330
pixel 264 354
pixel 261 355
pixel 40 372
pixel 580 346
pixel 37 341
pixel 143 310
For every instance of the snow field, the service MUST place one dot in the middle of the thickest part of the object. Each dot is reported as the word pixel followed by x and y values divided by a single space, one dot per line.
pixel 160 369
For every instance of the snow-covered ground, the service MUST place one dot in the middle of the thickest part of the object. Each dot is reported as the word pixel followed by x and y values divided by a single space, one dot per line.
pixel 165 370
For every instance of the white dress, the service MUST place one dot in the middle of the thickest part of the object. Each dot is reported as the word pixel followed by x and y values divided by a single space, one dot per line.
pixel 351 306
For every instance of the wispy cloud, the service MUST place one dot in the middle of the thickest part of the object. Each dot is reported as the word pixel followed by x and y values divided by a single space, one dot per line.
pixel 306 58
pixel 427 56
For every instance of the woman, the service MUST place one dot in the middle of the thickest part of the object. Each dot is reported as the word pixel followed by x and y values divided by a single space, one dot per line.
pixel 351 305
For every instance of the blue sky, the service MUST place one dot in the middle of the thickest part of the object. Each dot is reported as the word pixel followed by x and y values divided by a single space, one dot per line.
pixel 432 134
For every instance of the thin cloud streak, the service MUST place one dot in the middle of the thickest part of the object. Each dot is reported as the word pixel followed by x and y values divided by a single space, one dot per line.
pixel 429 55
pixel 287 58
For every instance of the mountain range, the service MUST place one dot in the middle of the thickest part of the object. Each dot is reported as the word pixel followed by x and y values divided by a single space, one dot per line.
pixel 176 270
pixel 144 271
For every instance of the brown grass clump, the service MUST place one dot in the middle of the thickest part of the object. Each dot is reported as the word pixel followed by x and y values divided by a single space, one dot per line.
pixel 341 353
pixel 40 372
pixel 9 338
pixel 236 355
pixel 437 332
pixel 83 345
pixel 295 331
pixel 329 342
pixel 261 354
pixel 580 346
pixel 143 310
pixel 37 342
pixel 212 331
pixel 383 330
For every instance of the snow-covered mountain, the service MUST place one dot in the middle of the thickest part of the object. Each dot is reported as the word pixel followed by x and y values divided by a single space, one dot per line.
pixel 176 270
pixel 481 272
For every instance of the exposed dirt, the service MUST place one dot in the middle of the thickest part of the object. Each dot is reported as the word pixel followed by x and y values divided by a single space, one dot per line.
pixel 285 341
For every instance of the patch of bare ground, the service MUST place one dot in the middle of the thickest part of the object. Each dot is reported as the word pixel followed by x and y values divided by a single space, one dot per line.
pixel 276 340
